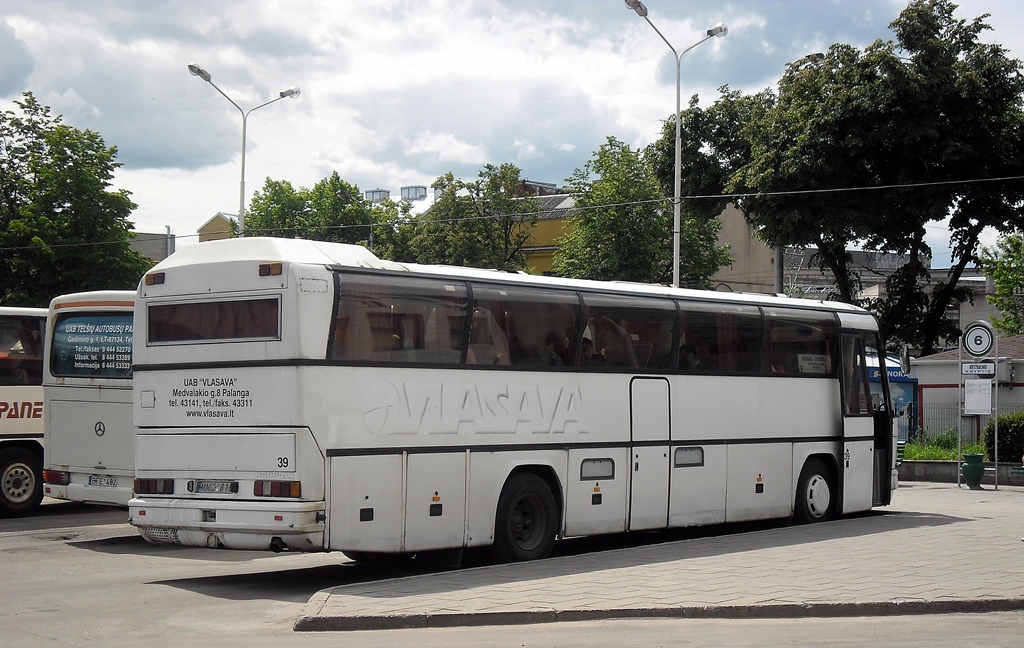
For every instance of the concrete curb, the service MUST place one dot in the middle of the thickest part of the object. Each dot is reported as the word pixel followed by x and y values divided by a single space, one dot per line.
pixel 315 623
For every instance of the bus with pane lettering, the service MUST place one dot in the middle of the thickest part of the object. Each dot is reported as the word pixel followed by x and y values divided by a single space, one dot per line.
pixel 22 331
pixel 309 396
pixel 87 388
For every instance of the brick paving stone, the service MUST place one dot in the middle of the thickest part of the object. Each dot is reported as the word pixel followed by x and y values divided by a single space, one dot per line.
pixel 937 546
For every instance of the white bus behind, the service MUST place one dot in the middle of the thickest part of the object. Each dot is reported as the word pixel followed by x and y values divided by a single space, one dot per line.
pixel 87 387
pixel 22 331
pixel 299 395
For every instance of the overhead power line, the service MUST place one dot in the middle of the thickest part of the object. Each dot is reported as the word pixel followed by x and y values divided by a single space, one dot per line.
pixel 799 192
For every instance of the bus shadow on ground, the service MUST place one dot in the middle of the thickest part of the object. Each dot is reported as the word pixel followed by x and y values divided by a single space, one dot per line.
pixel 614 551
pixel 298 584
pixel 134 544
pixel 59 515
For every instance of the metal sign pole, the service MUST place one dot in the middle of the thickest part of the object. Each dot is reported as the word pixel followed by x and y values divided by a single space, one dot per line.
pixel 960 415
pixel 995 435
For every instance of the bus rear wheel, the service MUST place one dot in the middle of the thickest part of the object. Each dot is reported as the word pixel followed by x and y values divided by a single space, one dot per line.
pixel 816 493
pixel 526 520
pixel 21 484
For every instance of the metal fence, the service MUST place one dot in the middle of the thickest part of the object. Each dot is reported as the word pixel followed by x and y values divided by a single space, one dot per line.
pixel 939 418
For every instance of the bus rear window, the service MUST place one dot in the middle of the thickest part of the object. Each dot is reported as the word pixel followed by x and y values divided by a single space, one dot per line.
pixel 235 320
pixel 92 345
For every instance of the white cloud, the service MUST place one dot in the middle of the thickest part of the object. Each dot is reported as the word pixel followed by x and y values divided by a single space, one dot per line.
pixel 395 92
pixel 445 147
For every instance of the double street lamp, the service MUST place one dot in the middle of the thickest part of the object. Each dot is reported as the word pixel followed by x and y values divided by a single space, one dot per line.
pixel 197 71
pixel 719 31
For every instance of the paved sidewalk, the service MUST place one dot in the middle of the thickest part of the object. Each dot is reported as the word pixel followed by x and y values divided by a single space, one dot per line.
pixel 938 548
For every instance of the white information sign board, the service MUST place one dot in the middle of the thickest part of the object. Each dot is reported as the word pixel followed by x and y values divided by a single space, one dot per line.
pixel 977 396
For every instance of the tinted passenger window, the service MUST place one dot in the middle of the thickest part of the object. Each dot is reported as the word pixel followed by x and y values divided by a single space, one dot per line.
pixel 538 328
pixel 723 338
pixel 628 333
pixel 399 320
pixel 800 342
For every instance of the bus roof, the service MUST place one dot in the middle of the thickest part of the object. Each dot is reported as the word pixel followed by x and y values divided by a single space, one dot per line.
pixel 95 299
pixel 276 249
pixel 18 311
pixel 267 249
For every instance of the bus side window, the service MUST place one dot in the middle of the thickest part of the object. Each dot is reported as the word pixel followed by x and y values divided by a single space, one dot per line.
pixel 527 318
pixel 487 342
pixel 726 338
pixel 353 337
pixel 630 332
pixel 443 337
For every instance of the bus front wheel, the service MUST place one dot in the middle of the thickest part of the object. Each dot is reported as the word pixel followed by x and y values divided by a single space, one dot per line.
pixel 526 520
pixel 816 493
pixel 21 484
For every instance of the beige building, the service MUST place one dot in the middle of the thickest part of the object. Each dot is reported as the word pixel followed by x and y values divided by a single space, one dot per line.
pixel 218 227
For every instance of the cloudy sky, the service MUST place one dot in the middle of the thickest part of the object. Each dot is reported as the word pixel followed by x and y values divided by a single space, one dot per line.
pixel 398 92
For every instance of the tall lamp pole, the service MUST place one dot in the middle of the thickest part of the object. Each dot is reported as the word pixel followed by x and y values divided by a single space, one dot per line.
pixel 719 31
pixel 197 71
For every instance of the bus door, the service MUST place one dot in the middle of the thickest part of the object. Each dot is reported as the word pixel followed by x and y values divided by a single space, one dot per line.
pixel 864 451
pixel 649 469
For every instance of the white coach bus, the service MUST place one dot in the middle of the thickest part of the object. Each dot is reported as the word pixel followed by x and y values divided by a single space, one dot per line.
pixel 291 394
pixel 87 387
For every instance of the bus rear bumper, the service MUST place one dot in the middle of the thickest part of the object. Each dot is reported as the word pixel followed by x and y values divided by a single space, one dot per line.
pixel 276 526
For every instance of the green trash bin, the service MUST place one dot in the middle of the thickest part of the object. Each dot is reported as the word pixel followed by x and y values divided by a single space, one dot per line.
pixel 973 469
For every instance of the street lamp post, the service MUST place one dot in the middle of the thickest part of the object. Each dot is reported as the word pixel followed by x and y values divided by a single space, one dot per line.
pixel 719 31
pixel 197 71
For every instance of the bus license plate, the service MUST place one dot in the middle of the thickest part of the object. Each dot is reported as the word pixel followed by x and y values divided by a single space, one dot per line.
pixel 216 487
pixel 106 482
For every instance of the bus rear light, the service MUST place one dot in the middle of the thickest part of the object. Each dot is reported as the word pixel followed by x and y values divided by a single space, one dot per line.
pixel 154 278
pixel 154 486
pixel 56 477
pixel 262 488
pixel 270 269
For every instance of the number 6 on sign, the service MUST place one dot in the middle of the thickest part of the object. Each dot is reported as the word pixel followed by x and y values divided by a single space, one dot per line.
pixel 978 339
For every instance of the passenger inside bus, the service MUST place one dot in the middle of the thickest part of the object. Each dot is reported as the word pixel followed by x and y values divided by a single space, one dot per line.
pixel 557 345
pixel 588 357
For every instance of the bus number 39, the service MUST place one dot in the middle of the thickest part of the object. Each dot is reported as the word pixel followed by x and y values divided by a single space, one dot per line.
pixel 282 462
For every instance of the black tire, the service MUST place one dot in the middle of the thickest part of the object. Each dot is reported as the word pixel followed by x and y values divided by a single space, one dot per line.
pixel 526 522
pixel 21 482
pixel 816 494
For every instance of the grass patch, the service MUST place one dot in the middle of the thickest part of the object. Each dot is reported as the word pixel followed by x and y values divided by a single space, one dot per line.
pixel 941 447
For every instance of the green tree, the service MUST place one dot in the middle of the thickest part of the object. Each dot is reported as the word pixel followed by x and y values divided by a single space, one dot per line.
pixel 620 228
pixel 333 210
pixel 62 228
pixel 957 105
pixel 1005 265
pixel 337 209
pixel 393 231
pixel 871 147
pixel 279 209
pixel 483 223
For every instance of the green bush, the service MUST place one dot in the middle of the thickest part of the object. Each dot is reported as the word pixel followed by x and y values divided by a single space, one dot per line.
pixel 1011 437
pixel 940 447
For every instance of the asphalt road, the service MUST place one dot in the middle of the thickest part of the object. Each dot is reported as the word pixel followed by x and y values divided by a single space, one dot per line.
pixel 80 575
